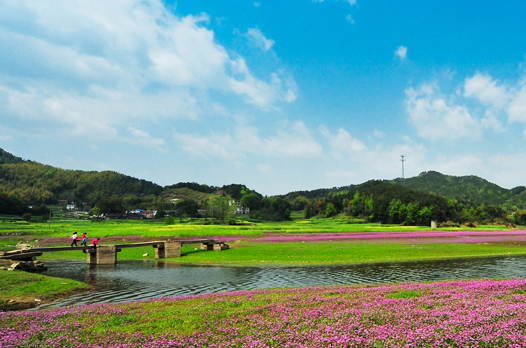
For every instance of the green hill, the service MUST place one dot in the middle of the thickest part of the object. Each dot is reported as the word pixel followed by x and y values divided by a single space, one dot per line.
pixel 6 157
pixel 468 188
pixel 35 183
pixel 431 194
pixel 27 183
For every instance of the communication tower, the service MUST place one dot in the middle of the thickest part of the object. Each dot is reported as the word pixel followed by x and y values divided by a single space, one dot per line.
pixel 403 178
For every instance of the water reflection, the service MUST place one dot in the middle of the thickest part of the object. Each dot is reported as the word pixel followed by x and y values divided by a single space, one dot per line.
pixel 140 280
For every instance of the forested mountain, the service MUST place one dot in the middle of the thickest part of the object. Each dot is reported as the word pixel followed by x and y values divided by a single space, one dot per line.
pixel 468 188
pixel 430 196
pixel 26 187
pixel 35 183
pixel 6 157
pixel 386 202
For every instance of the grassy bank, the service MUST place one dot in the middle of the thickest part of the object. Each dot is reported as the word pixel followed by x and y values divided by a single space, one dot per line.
pixel 245 249
pixel 151 228
pixel 249 253
pixel 479 313
pixel 19 290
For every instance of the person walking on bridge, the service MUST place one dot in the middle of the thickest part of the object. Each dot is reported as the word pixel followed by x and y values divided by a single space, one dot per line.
pixel 84 239
pixel 75 238
pixel 95 242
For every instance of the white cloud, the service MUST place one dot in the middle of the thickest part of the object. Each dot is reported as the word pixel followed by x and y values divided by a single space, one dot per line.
pixel 214 145
pixel 290 140
pixel 342 174
pixel 486 90
pixel 89 68
pixel 349 19
pixel 297 142
pixel 264 168
pixel 481 103
pixel 259 39
pixel 435 118
pixel 401 52
pixel 6 137
pixel 343 144
pixel 143 138
pixel 517 107
pixel 353 162
pixel 378 134
pixel 350 2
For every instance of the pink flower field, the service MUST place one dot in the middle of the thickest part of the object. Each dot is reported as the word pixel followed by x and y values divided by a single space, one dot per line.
pixel 414 237
pixel 481 313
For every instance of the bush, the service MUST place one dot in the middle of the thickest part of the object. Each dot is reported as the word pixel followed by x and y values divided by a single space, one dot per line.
pixel 169 220
pixel 26 217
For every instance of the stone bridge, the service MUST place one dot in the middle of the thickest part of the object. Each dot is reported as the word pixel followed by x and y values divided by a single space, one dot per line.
pixel 107 254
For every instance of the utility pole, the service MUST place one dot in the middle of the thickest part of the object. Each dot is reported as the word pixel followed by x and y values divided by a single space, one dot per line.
pixel 403 178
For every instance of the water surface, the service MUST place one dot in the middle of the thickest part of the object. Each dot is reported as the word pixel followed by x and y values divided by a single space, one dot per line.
pixel 141 280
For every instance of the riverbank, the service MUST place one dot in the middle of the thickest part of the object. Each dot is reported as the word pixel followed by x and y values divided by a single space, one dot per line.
pixel 23 290
pixel 201 228
pixel 486 313
pixel 281 247
pixel 329 249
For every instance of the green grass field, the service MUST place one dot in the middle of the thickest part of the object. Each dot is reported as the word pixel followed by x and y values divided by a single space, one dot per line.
pixel 19 290
pixel 243 252
pixel 152 228
pixel 248 253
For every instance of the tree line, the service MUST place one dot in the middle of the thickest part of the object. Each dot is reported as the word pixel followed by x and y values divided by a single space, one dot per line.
pixel 27 187
pixel 379 201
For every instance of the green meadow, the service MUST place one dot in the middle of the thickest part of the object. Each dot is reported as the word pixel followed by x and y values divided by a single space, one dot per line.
pixel 19 290
pixel 244 250
pixel 186 228
pixel 249 253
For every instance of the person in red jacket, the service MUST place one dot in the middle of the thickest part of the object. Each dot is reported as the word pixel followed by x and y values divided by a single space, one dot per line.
pixel 95 242
pixel 84 239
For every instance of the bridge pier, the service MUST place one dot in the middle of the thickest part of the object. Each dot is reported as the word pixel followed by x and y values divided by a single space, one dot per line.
pixel 103 254
pixel 167 250
pixel 207 246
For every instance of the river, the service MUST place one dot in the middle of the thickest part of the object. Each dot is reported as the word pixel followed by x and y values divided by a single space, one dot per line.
pixel 141 280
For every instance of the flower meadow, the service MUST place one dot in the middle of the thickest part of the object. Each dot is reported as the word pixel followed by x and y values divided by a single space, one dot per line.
pixel 476 313
pixel 419 236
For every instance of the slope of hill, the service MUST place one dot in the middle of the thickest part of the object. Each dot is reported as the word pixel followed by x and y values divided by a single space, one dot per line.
pixel 468 188
pixel 6 157
pixel 35 183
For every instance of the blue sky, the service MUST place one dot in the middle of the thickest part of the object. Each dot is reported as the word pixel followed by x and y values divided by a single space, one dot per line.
pixel 277 95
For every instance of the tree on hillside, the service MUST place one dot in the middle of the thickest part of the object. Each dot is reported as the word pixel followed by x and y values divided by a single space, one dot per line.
pixel 219 208
pixel 299 203
pixel 330 210
pixel 110 205
pixel 251 200
pixel 187 208
pixel 276 208
pixel 310 211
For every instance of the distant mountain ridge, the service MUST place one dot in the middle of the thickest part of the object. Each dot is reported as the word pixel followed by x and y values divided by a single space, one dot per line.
pixel 37 183
pixel 468 188
pixel 6 157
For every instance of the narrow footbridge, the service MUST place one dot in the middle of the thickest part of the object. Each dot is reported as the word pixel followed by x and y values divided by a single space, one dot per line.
pixel 107 254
